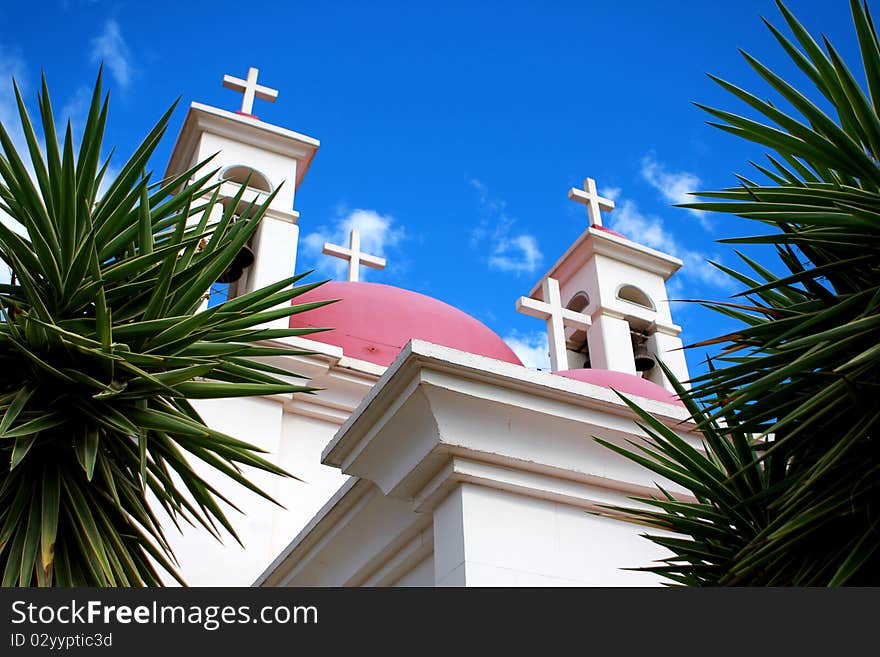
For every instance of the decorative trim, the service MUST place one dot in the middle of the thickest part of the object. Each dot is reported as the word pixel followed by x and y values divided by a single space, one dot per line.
pixel 398 557
pixel 244 129
pixel 593 241
pixel 585 491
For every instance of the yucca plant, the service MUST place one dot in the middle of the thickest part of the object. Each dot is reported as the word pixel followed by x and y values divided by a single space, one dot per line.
pixel 788 488
pixel 102 347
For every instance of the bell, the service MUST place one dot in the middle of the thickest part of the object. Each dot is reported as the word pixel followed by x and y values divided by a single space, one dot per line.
pixel 644 361
pixel 243 259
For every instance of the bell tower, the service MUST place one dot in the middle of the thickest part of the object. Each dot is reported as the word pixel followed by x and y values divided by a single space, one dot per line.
pixel 265 156
pixel 617 288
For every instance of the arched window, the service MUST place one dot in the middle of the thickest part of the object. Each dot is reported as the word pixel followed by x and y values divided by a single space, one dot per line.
pixel 577 341
pixel 632 294
pixel 241 174
pixel 579 302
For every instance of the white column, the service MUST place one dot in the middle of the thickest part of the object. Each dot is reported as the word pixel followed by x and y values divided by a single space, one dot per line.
pixel 485 536
pixel 274 247
pixel 449 555
pixel 669 349
pixel 611 345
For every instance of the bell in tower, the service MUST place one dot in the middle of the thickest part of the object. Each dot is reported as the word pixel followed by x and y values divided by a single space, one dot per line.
pixel 243 259
pixel 642 359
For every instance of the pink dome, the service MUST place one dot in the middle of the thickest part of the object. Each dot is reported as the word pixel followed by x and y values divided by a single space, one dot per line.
pixel 373 322
pixel 627 384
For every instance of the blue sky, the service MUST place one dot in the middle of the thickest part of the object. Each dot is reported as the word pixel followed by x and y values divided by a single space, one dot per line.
pixel 450 131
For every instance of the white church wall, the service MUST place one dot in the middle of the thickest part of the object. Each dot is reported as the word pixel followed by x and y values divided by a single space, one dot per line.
pixel 490 537
pixel 435 401
pixel 301 443
pixel 293 433
pixel 203 560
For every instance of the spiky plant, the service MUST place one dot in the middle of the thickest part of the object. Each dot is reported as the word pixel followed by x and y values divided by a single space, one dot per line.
pixel 102 347
pixel 789 487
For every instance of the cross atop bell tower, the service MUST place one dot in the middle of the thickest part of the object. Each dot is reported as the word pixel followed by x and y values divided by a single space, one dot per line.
pixel 250 89
pixel 589 196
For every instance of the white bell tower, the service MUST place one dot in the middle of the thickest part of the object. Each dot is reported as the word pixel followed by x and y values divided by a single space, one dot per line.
pixel 620 286
pixel 263 154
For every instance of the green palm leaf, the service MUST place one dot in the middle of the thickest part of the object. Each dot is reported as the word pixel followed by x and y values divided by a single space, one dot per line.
pixel 101 345
pixel 796 389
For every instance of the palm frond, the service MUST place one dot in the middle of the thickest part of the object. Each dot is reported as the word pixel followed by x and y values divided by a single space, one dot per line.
pixel 802 375
pixel 101 346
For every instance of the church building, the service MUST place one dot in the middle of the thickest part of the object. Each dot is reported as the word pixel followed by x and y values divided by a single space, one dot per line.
pixel 429 455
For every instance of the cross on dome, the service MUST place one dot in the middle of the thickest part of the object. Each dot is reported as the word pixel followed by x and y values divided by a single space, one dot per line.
pixel 354 255
pixel 250 89
pixel 557 317
pixel 590 197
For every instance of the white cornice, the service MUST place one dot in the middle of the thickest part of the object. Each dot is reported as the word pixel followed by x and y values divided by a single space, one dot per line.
pixel 595 241
pixel 402 376
pixel 245 129
pixel 331 355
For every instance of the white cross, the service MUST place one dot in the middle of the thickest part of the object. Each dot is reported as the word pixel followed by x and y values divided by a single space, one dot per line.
pixel 250 88
pixel 354 255
pixel 590 197
pixel 557 316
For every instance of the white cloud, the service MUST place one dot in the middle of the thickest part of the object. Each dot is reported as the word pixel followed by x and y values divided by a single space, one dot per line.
pixel 378 235
pixel 650 231
pixel 75 110
pixel 644 229
pixel 531 348
pixel 610 192
pixel 509 250
pixel 12 66
pixel 109 178
pixel 110 47
pixel 674 186
pixel 517 254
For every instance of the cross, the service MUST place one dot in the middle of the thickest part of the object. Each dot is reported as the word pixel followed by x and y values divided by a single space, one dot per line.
pixel 590 197
pixel 250 88
pixel 354 255
pixel 557 316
